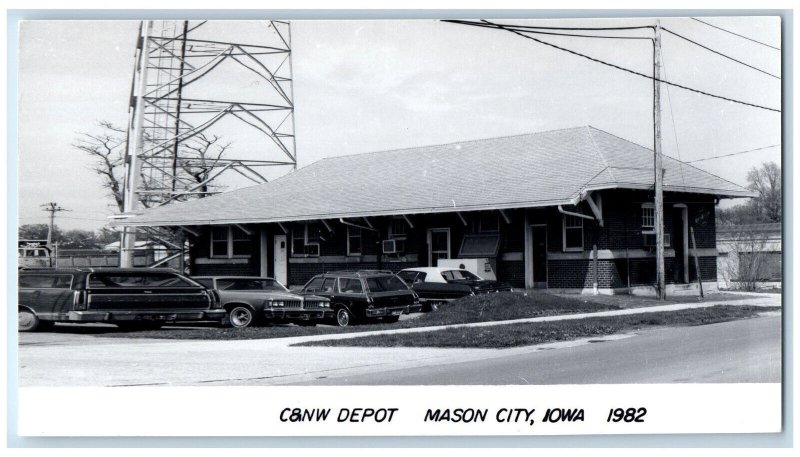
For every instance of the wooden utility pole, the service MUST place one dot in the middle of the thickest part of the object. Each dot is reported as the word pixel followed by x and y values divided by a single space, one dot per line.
pixel 52 208
pixel 659 170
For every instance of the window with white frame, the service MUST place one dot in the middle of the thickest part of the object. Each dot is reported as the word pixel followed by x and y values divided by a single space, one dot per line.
pixel 305 240
pixel 353 240
pixel 649 226
pixel 573 233
pixel 230 241
pixel 398 231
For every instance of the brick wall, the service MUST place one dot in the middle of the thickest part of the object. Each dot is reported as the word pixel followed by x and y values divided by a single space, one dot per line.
pixel 512 272
pixel 300 273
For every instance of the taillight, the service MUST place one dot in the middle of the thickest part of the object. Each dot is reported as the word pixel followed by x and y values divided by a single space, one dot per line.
pixel 79 300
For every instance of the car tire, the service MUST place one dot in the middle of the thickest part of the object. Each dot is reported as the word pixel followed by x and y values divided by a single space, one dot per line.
pixel 343 317
pixel 28 322
pixel 391 319
pixel 240 317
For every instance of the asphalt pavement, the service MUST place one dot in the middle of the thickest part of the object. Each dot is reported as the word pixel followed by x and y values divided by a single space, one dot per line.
pixel 49 359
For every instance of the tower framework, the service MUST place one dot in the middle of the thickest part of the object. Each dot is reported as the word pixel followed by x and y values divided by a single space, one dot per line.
pixel 211 106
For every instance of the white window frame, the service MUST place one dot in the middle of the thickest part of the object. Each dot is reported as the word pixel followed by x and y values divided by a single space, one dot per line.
pixel 360 241
pixel 430 243
pixel 647 228
pixel 229 248
pixel 305 242
pixel 564 228
pixel 399 238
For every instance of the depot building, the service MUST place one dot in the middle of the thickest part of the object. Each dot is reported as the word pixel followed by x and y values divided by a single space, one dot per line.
pixel 566 209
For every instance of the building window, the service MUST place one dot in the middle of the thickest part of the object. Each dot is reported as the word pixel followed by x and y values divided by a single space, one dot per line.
pixel 573 233
pixel 398 232
pixel 649 227
pixel 485 223
pixel 305 240
pixel 353 240
pixel 230 242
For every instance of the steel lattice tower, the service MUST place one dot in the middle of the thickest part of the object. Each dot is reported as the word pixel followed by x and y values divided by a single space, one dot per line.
pixel 209 100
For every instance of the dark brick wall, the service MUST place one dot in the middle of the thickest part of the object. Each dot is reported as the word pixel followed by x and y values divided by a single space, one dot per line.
pixel 568 274
pixel 300 273
pixel 512 272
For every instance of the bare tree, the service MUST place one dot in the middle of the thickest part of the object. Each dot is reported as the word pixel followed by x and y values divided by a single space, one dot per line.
pixel 748 255
pixel 766 180
pixel 201 158
pixel 108 148
pixel 197 163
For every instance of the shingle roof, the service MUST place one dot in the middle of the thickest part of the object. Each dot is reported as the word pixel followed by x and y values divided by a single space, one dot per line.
pixel 539 169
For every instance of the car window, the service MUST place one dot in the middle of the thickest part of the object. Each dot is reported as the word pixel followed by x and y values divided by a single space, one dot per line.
pixel 421 277
pixel 165 280
pixel 207 283
pixel 45 282
pixel 97 280
pixel 314 285
pixel 259 284
pixel 385 284
pixel 328 285
pixel 451 275
pixel 350 286
pixel 408 276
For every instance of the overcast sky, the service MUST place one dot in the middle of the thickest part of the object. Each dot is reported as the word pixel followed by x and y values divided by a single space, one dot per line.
pixel 365 86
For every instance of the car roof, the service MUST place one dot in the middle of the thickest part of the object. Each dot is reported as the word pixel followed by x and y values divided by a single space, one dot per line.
pixel 97 270
pixel 432 269
pixel 232 277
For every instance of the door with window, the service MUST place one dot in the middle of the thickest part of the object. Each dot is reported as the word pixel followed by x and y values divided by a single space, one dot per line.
pixel 438 245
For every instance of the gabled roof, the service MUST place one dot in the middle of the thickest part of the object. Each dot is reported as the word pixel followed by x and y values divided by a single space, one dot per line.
pixel 539 169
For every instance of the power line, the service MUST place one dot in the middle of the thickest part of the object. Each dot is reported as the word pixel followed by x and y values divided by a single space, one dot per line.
pixel 455 21
pixel 733 153
pixel 733 33
pixel 634 72
pixel 719 53
pixel 674 129
pixel 538 30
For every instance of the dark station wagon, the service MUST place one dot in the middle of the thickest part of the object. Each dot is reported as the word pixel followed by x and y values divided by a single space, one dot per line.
pixel 130 298
pixel 358 296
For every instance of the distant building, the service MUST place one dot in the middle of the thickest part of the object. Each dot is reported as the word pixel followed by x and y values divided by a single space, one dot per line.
pixel 749 256
pixel 566 210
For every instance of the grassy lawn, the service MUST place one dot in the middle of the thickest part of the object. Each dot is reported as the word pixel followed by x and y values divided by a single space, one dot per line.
pixel 633 301
pixel 526 334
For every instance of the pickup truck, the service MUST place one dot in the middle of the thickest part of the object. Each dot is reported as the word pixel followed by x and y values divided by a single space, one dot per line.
pixel 131 298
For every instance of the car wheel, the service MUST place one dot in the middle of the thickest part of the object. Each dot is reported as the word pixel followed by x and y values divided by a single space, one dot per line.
pixel 240 316
pixel 28 322
pixel 343 317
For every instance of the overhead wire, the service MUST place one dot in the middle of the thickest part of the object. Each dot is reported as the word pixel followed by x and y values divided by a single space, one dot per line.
pixel 674 128
pixel 627 70
pixel 734 33
pixel 734 153
pixel 718 53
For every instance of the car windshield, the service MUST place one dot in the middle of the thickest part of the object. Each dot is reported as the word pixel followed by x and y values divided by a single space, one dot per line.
pixel 385 284
pixel 262 284
pixel 456 275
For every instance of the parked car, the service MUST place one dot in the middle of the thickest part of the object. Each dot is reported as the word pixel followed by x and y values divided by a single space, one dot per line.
pixel 439 284
pixel 366 295
pixel 128 297
pixel 248 299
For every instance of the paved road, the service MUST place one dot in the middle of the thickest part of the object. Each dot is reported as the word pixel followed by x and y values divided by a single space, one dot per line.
pixel 740 351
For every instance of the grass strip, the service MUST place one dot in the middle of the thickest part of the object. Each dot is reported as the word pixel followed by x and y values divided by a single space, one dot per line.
pixel 526 334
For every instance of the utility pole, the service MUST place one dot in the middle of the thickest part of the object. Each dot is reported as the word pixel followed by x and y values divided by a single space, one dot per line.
pixel 658 168
pixel 52 208
pixel 133 164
